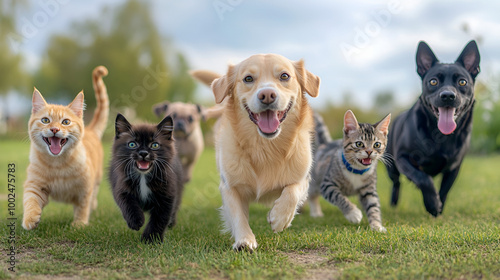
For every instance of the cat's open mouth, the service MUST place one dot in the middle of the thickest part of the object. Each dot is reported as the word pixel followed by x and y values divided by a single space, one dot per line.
pixel 143 165
pixel 55 144
pixel 268 121
pixel 365 161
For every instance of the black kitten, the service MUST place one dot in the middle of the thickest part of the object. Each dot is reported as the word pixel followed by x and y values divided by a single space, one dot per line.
pixel 146 175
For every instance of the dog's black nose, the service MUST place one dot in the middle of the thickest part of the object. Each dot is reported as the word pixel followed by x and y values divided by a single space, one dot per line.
pixel 267 96
pixel 447 96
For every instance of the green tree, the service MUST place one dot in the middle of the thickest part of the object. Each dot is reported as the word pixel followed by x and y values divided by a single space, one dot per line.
pixel 13 75
pixel 126 41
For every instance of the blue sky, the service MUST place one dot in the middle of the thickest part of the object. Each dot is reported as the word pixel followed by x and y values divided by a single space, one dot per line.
pixel 361 47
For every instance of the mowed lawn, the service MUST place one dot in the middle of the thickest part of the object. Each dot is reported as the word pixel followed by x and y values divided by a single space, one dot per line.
pixel 464 243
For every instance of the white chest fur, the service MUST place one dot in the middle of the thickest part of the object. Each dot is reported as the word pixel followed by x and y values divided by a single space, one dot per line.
pixel 144 191
pixel 357 180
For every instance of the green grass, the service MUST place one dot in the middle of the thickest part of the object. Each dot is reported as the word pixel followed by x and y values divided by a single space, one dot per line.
pixel 463 243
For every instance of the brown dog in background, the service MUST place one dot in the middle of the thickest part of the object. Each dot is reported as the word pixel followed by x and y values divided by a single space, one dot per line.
pixel 263 141
pixel 187 132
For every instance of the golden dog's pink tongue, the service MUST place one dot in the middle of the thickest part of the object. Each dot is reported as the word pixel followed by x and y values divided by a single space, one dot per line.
pixel 55 145
pixel 268 121
pixel 446 123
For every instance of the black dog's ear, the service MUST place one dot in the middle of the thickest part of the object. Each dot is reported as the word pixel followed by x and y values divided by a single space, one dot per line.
pixel 425 59
pixel 469 59
pixel 160 109
pixel 166 127
pixel 121 125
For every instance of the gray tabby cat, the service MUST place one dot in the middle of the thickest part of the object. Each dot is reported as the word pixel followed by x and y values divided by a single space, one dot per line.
pixel 347 167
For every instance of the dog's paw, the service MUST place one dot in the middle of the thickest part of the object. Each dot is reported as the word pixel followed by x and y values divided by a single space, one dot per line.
pixel 31 222
pixel 354 216
pixel 280 217
pixel 433 204
pixel 248 244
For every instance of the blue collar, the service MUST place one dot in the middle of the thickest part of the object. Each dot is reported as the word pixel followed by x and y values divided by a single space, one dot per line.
pixel 352 170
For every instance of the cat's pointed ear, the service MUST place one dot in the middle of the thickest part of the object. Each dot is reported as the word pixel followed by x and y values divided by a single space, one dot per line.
pixel 37 102
pixel 350 122
pixel 78 104
pixel 383 125
pixel 166 127
pixel 425 59
pixel 121 125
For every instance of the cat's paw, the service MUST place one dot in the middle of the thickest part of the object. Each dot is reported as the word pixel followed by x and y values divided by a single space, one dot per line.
pixel 354 216
pixel 136 222
pixel 78 224
pixel 31 222
pixel 249 244
pixel 280 217
pixel 378 228
pixel 151 238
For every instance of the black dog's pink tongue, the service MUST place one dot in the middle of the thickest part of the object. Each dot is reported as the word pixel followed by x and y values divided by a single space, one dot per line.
pixel 268 121
pixel 55 145
pixel 446 123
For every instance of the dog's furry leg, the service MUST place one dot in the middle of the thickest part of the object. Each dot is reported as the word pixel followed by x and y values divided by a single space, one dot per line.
pixel 424 183
pixel 448 180
pixel 285 207
pixel 235 214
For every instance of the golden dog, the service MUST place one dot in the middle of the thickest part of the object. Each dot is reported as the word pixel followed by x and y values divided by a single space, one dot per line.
pixel 263 141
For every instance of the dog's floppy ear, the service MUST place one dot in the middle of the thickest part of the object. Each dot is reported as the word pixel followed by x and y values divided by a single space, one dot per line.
pixel 350 122
pixel 383 125
pixel 425 59
pixel 307 80
pixel 469 59
pixel 224 85
pixel 160 109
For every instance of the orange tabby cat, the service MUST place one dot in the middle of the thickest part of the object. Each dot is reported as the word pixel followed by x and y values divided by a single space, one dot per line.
pixel 65 157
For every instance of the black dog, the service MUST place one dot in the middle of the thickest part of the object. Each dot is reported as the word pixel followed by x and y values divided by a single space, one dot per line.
pixel 434 135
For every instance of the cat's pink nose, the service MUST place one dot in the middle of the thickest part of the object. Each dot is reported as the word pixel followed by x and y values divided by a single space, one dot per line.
pixel 369 153
pixel 54 130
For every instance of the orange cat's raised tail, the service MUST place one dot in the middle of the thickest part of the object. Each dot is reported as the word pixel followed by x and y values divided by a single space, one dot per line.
pixel 98 123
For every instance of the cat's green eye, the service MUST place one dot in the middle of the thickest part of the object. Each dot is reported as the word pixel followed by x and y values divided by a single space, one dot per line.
pixel 132 145
pixel 359 144
pixel 66 122
pixel 45 120
pixel 462 82
pixel 433 82
pixel 155 146
pixel 377 145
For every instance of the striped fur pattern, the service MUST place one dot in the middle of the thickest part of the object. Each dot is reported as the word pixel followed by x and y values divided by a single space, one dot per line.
pixel 66 158
pixel 321 132
pixel 363 145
